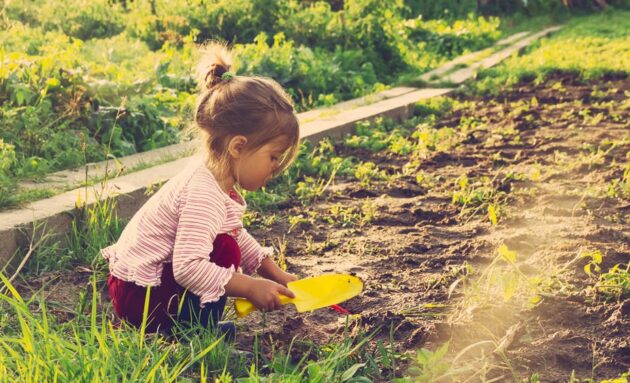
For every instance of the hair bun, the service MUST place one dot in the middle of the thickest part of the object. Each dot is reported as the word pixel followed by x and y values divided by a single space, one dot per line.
pixel 216 60
pixel 213 77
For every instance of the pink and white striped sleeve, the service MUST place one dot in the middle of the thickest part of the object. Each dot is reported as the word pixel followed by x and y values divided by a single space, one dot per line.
pixel 252 253
pixel 202 213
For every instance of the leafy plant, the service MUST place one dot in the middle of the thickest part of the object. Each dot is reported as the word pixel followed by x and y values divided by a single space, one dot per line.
pixel 368 172
pixel 482 194
pixel 339 215
pixel 615 283
pixel 430 365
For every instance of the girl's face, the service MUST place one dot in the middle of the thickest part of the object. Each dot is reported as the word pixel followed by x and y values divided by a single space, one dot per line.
pixel 254 169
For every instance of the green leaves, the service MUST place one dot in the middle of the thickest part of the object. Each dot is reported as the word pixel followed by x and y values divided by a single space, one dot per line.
pixel 430 365
pixel 594 261
pixel 492 214
pixel 507 254
pixel 613 284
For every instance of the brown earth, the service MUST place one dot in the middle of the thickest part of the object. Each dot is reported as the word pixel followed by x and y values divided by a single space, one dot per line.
pixel 419 244
pixel 421 257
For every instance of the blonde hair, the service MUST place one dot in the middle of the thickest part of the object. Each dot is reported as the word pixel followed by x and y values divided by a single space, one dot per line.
pixel 255 107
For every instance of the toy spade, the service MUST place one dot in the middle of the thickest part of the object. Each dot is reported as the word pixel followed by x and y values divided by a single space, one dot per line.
pixel 312 293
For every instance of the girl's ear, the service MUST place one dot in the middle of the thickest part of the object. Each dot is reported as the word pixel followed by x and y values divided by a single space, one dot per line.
pixel 236 146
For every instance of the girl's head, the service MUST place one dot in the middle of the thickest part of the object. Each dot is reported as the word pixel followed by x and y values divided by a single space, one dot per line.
pixel 248 125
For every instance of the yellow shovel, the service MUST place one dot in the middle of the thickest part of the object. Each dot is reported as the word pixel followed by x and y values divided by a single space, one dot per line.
pixel 312 293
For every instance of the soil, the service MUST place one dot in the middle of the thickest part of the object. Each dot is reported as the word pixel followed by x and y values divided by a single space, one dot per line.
pixel 420 243
pixel 419 257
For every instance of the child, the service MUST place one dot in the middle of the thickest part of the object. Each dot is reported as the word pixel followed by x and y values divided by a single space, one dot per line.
pixel 187 242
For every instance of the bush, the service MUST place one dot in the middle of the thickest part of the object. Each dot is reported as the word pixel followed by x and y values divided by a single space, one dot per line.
pixel 76 18
pixel 173 20
pixel 307 72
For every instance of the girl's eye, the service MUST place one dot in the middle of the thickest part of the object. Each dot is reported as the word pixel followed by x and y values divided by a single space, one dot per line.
pixel 274 158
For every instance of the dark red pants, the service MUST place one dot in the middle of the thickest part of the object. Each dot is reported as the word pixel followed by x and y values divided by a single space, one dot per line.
pixel 164 300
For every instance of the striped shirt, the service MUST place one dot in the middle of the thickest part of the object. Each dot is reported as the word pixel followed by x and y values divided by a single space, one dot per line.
pixel 179 224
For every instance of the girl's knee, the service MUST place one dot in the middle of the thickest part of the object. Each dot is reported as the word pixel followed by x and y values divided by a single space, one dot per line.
pixel 226 251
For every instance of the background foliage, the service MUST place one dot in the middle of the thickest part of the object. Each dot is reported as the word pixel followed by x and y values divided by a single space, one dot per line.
pixel 84 81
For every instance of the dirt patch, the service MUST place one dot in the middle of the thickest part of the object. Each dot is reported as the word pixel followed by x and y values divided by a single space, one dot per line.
pixel 562 145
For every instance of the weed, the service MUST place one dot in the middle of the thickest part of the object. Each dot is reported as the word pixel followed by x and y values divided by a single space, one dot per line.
pixel 504 281
pixel 368 172
pixel 535 172
pixel 430 139
pixel 296 221
pixel 602 93
pixel 426 180
pixel 478 195
pixel 435 366
pixel 317 169
pixel 623 378
pixel 281 253
pixel 452 273
pixel 594 258
pixel 615 283
pixel 339 215
pixel 321 247
pixel 431 365
pixel 312 188
pixel 98 227
pixel 377 136
pixel 620 187
pixel 369 212
pixel 359 248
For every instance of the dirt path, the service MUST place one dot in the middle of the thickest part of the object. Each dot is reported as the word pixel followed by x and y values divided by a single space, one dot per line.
pixel 552 152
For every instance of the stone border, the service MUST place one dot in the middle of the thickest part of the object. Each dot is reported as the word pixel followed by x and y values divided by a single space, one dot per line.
pixel 464 74
pixel 55 215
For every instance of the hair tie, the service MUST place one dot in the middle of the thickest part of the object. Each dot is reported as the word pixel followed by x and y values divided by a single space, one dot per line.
pixel 227 76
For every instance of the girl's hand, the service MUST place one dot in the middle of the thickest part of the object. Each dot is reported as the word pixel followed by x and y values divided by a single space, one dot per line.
pixel 282 277
pixel 264 294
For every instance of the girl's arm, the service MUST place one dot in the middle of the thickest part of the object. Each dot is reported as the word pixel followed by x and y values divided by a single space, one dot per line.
pixel 201 215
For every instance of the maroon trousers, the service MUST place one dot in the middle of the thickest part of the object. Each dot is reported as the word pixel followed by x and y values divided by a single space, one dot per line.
pixel 128 298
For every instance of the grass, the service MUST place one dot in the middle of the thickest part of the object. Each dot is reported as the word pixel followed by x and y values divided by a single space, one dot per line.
pixel 21 197
pixel 89 347
pixel 599 46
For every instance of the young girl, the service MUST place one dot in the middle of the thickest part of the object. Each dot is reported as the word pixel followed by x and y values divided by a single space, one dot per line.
pixel 187 242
